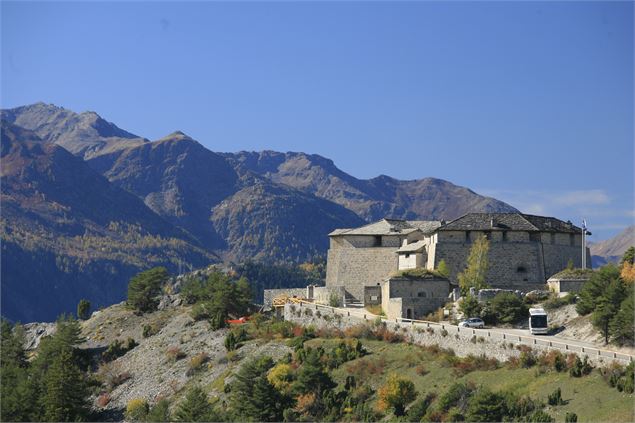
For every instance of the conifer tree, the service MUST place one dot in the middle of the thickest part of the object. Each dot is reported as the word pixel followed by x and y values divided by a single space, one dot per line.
pixel 195 407
pixel 66 393
pixel 474 275
pixel 83 309
pixel 144 287
pixel 622 326
pixel 311 377
pixel 253 396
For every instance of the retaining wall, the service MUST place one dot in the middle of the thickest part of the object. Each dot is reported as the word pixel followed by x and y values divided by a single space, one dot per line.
pixel 464 341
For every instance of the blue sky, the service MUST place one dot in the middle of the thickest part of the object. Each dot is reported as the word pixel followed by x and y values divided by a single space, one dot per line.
pixel 530 102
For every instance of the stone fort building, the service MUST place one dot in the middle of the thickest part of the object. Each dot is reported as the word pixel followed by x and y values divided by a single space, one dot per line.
pixel 525 250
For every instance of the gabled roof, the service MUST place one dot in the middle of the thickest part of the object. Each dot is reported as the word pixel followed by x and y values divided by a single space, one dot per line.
pixel 509 221
pixel 390 227
pixel 413 247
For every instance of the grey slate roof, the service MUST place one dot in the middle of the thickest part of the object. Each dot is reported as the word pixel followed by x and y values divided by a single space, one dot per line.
pixel 413 247
pixel 390 227
pixel 509 221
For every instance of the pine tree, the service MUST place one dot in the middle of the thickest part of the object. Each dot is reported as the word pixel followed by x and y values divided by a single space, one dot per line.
pixel 311 377
pixel 195 407
pixel 144 287
pixel 66 392
pixel 83 309
pixel 628 257
pixel 602 315
pixel 470 307
pixel 474 275
pixel 595 288
pixel 253 397
pixel 15 389
pixel 622 326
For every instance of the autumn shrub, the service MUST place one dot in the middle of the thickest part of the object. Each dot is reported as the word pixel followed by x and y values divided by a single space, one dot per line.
pixel 174 353
pixel 553 360
pixel 103 399
pixel 465 365
pixel 421 370
pixel 197 362
pixel 137 409
pixel 396 393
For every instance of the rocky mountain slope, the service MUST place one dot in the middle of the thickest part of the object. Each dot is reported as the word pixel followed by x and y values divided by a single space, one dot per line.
pixel 68 233
pixel 84 134
pixel 372 199
pixel 612 250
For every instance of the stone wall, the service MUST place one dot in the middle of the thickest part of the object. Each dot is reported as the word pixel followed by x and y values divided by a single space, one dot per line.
pixel 512 265
pixel 463 341
pixel 557 257
pixel 413 298
pixel 270 294
pixel 322 294
pixel 372 295
pixel 566 285
pixel 355 268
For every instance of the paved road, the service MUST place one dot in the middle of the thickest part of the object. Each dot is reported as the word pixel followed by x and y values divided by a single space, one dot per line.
pixel 521 336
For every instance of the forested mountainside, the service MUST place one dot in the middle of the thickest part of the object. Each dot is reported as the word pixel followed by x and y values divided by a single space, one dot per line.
pixel 82 223
pixel 68 233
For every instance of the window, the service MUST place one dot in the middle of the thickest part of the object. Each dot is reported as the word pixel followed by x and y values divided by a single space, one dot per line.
pixel 407 255
pixel 521 269
pixel 488 235
pixel 421 295
pixel 553 238
pixel 571 239
pixel 504 236
pixel 467 236
pixel 377 241
pixel 534 236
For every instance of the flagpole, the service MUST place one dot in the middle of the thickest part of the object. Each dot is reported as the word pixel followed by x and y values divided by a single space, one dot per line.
pixel 583 244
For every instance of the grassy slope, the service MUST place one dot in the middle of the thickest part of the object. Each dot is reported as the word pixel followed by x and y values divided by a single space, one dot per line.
pixel 589 397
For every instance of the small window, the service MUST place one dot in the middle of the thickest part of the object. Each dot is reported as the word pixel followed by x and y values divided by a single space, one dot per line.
pixel 467 236
pixel 488 235
pixel 377 241
pixel 534 236
pixel 407 255
pixel 553 238
pixel 572 239
pixel 504 236
pixel 521 269
pixel 421 295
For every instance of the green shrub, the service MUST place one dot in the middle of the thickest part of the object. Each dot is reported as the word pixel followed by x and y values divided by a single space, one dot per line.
pixel 117 348
pixel 508 308
pixel 149 330
pixel 571 418
pixel 335 300
pixel 555 398
pixel 580 368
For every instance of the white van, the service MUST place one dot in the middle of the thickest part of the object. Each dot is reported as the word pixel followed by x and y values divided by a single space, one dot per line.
pixel 538 323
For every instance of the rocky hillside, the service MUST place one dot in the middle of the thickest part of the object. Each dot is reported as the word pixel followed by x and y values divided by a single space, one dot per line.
pixel 372 199
pixel 68 233
pixel 84 134
pixel 611 250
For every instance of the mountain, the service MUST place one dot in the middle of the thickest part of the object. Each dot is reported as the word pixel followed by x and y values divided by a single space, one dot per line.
pixel 245 216
pixel 67 233
pixel 372 199
pixel 177 178
pixel 267 221
pixel 612 250
pixel 84 134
